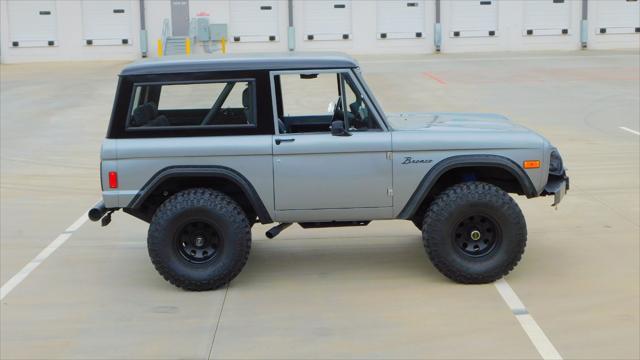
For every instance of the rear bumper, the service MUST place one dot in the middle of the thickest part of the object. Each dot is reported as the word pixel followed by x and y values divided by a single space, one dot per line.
pixel 558 185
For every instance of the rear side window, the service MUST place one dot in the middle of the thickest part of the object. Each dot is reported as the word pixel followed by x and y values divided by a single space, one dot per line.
pixel 230 103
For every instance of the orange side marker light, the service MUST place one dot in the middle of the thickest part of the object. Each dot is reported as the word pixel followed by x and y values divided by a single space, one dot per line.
pixel 531 164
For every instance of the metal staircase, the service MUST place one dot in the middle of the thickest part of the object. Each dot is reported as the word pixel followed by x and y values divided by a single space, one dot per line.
pixel 172 45
pixel 175 45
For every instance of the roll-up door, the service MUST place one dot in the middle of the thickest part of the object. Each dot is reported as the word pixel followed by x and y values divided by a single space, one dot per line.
pixel 618 17
pixel 106 22
pixel 32 23
pixel 400 19
pixel 253 20
pixel 547 17
pixel 474 18
pixel 327 20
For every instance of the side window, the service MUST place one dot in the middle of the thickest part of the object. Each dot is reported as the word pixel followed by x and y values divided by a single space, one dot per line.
pixel 310 102
pixel 203 104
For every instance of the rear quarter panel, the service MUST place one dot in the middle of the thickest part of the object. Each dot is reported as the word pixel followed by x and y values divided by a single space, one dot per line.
pixel 138 160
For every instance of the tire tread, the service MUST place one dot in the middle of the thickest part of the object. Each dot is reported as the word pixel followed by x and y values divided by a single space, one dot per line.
pixel 455 196
pixel 198 197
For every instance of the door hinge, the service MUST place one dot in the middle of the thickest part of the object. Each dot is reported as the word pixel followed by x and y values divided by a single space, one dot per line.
pixel 389 155
pixel 389 192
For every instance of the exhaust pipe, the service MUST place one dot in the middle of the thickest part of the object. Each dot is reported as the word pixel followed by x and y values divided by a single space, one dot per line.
pixel 274 231
pixel 97 211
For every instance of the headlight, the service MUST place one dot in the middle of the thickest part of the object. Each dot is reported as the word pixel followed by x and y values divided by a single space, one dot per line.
pixel 555 163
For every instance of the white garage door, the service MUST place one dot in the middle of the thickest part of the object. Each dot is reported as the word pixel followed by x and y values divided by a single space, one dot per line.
pixel 547 17
pixel 618 16
pixel 400 19
pixel 253 20
pixel 32 23
pixel 106 22
pixel 473 18
pixel 327 20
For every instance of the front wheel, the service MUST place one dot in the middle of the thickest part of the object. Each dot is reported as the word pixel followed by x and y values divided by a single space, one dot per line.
pixel 474 233
pixel 199 239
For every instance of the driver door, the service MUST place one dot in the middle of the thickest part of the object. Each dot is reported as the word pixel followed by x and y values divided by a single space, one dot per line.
pixel 314 170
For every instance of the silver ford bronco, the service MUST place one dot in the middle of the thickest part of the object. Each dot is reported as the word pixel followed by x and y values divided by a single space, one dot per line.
pixel 203 148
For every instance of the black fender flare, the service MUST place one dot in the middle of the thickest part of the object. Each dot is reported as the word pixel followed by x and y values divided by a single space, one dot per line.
pixel 213 171
pixel 461 161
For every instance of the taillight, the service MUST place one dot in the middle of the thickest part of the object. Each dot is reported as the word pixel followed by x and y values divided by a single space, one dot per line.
pixel 113 179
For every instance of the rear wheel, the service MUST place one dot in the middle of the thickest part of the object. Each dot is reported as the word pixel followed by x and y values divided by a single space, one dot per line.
pixel 199 239
pixel 474 233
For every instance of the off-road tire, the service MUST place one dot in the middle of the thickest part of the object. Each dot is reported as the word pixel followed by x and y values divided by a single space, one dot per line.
pixel 224 214
pixel 450 209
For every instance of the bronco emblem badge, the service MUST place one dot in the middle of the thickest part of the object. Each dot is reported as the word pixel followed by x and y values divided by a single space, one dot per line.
pixel 410 160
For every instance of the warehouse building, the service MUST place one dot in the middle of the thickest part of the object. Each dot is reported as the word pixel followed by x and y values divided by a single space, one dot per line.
pixel 61 30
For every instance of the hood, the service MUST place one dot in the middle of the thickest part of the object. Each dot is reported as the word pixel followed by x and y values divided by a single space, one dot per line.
pixel 451 121
pixel 471 131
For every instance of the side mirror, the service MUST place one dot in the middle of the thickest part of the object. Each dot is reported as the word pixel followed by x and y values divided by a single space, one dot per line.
pixel 337 129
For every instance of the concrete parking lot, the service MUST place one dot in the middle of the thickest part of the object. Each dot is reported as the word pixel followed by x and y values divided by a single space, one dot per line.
pixel 332 293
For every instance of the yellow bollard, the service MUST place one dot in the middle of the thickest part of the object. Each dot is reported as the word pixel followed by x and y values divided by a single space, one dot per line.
pixel 187 46
pixel 223 44
pixel 159 47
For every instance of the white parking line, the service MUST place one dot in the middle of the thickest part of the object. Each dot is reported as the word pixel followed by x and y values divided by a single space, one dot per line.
pixel 42 256
pixel 630 130
pixel 531 328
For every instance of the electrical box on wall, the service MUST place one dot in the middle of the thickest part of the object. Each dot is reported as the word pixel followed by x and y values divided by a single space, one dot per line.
pixel 218 31
pixel 202 29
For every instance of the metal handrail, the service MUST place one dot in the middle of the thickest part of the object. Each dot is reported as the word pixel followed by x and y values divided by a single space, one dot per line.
pixel 166 32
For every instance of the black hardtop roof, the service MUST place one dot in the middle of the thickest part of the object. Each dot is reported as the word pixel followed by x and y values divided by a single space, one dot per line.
pixel 240 62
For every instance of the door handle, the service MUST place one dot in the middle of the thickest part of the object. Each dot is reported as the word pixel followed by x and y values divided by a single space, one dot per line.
pixel 278 141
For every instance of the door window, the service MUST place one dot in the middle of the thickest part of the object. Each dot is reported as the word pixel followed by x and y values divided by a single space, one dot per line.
pixel 310 102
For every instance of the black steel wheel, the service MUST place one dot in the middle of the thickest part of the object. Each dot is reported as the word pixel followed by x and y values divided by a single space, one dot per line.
pixel 477 235
pixel 198 241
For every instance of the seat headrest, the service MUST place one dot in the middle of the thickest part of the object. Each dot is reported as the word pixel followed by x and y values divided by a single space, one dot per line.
pixel 143 114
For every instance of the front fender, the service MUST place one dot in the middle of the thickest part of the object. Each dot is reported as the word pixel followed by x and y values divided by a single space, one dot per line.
pixel 461 161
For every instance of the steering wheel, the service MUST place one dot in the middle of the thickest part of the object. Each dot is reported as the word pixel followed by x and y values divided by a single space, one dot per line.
pixel 360 121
